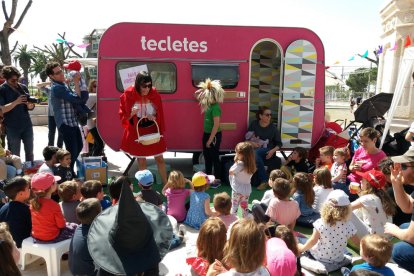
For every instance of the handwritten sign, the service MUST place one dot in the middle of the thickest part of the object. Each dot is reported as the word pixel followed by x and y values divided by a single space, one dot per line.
pixel 128 75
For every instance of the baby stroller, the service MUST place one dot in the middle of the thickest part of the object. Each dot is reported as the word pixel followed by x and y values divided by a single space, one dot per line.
pixel 371 114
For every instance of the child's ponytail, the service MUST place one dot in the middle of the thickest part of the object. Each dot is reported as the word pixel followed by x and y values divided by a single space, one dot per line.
pixel 35 201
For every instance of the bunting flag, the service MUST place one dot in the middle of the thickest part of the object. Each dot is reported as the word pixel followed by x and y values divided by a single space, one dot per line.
pixel 407 41
pixel 365 54
pixel 83 45
pixel 379 52
pixel 337 62
pixel 395 46
pixel 352 58
pixel 60 40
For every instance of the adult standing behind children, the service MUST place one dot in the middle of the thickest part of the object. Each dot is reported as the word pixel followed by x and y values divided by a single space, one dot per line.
pixel 62 100
pixel 13 98
pixel 265 129
pixel 98 144
pixel 141 104
pixel 210 95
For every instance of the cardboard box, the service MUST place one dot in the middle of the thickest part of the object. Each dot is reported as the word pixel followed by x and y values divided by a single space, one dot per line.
pixel 100 174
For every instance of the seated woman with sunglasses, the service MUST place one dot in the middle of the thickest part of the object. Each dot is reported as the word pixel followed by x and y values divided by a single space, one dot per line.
pixel 264 129
pixel 142 101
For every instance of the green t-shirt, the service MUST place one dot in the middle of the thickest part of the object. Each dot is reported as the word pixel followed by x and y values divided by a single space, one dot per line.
pixel 211 112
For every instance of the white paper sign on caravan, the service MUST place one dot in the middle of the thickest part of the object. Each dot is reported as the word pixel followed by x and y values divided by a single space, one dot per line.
pixel 128 75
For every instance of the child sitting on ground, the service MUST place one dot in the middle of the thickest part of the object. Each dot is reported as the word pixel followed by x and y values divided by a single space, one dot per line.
pixel 325 157
pixel 63 169
pixel 93 189
pixel 339 169
pixel 328 242
pixel 322 188
pixel 287 235
pixel 280 260
pixel 176 195
pixel 222 205
pixel 16 212
pixel 199 201
pixel 145 181
pixel 376 251
pixel 9 254
pixel 80 261
pixel 49 154
pixel 48 223
pixel 259 207
pixel 281 209
pixel 305 197
pixel 245 251
pixel 374 208
pixel 210 244
pixel 296 162
pixel 69 193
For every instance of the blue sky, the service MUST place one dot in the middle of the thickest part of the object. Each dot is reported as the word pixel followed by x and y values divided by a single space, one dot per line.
pixel 346 27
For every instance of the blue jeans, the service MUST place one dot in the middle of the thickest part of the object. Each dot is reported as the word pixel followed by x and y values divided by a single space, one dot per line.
pixel 51 134
pixel 14 138
pixel 73 142
pixel 403 253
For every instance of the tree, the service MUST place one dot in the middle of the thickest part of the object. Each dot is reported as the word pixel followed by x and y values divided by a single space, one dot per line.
pixel 39 64
pixel 24 57
pixel 358 80
pixel 8 29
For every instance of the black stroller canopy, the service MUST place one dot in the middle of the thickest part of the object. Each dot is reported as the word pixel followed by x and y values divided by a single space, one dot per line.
pixel 376 106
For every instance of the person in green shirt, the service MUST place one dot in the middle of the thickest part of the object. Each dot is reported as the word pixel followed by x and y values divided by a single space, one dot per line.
pixel 210 95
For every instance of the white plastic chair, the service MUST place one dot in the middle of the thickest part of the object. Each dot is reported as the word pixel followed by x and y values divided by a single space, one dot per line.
pixel 51 252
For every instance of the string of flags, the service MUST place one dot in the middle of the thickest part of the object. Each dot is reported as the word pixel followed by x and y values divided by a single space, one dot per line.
pixel 406 43
pixel 84 45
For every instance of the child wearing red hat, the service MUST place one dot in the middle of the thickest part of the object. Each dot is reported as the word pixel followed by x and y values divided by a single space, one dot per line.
pixel 374 207
pixel 48 222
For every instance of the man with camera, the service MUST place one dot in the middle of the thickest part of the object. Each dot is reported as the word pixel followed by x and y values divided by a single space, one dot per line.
pixel 63 99
pixel 16 103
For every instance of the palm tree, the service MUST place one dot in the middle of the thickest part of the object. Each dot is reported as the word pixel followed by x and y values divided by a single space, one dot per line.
pixel 39 63
pixel 25 58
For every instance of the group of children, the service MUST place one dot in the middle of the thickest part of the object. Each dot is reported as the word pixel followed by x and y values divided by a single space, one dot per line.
pixel 265 235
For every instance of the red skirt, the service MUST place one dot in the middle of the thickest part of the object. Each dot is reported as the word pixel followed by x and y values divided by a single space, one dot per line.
pixel 133 147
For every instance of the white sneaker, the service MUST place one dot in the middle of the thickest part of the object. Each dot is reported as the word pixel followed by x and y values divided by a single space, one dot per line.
pixel 255 201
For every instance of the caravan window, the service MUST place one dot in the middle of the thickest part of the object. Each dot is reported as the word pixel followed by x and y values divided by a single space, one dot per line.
pixel 228 74
pixel 164 75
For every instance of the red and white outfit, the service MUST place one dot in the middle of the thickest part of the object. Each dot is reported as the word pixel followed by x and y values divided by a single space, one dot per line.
pixel 147 105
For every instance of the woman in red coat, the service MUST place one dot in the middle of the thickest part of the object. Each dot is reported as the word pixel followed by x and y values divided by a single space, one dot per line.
pixel 143 101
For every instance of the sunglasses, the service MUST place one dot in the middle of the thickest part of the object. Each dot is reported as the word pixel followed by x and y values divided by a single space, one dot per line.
pixel 58 72
pixel 405 166
pixel 267 114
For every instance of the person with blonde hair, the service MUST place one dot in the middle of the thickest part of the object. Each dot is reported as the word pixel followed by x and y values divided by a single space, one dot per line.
pixel 239 175
pixel 331 232
pixel 209 96
pixel 9 254
pixel 176 195
pixel 376 252
pixel 244 252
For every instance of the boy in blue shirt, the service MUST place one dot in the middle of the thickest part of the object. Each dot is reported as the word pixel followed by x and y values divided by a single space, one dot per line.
pixel 16 212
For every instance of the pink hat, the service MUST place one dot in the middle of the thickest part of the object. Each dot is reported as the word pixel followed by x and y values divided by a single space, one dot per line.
pixel 280 259
pixel 42 181
pixel 73 65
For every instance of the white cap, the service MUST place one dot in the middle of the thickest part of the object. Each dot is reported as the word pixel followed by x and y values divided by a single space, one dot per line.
pixel 340 197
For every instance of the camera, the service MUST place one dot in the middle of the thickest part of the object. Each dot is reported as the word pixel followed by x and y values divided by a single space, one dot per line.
pixel 31 99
